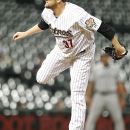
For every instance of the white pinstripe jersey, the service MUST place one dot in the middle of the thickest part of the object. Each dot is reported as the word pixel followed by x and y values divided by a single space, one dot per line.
pixel 73 29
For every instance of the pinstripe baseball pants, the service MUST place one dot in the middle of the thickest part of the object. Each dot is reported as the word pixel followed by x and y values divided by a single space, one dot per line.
pixel 79 66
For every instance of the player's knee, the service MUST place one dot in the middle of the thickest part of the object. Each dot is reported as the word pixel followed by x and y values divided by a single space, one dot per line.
pixel 118 120
pixel 41 78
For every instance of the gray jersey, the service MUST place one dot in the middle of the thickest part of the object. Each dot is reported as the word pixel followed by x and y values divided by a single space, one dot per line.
pixel 105 78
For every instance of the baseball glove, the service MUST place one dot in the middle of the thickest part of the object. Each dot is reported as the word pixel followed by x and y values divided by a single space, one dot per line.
pixel 112 52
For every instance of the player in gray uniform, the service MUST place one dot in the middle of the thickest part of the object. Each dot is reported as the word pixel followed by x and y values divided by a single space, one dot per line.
pixel 74 30
pixel 102 93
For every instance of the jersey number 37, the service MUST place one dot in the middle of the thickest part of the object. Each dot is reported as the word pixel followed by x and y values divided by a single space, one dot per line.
pixel 68 43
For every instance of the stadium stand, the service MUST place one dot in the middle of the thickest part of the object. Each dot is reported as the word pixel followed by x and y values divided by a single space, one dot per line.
pixel 19 62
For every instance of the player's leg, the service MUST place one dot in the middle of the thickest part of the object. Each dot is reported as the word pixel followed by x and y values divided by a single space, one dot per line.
pixel 115 111
pixel 51 66
pixel 79 78
pixel 95 111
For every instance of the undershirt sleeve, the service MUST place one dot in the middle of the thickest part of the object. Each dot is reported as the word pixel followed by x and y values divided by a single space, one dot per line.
pixel 43 25
pixel 107 31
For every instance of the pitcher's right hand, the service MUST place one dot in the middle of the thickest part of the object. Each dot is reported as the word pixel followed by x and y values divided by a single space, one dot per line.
pixel 19 35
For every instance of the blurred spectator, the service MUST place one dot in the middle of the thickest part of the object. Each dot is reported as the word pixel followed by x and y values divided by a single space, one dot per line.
pixel 40 58
pixel 5 60
pixel 1 54
pixel 106 82
pixel 60 106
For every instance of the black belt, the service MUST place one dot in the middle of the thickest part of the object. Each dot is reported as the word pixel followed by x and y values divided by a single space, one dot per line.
pixel 106 93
